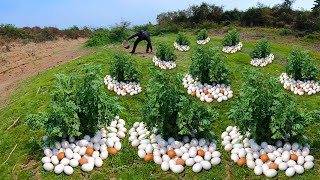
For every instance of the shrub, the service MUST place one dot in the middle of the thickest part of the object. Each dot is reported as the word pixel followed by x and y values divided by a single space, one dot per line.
pixel 98 38
pixel 123 69
pixel 72 33
pixel 182 39
pixel 261 49
pixel 207 66
pixel 79 106
pixel 171 112
pixel 119 32
pixel 266 111
pixel 232 38
pixel 12 32
pixel 300 65
pixel 202 35
pixel 165 53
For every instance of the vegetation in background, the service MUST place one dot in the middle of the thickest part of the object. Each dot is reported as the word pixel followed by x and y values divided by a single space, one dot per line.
pixel 207 66
pixel 173 113
pixel 267 111
pixel 182 39
pixel 261 49
pixel 232 38
pixel 202 34
pixel 123 69
pixel 79 106
pixel 165 53
pixel 301 66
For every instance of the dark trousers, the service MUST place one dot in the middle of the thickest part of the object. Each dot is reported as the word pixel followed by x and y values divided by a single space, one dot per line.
pixel 138 40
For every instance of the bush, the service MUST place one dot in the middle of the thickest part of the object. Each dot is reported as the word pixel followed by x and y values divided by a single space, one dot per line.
pixel 171 112
pixel 232 38
pixel 207 66
pixel 261 49
pixel 182 39
pixel 119 32
pixel 165 53
pixel 98 38
pixel 72 33
pixel 123 69
pixel 202 35
pixel 300 65
pixel 10 31
pixel 266 111
pixel 79 106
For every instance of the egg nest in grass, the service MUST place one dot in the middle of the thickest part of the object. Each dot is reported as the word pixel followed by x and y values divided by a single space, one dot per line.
pixel 163 64
pixel 88 152
pixel 181 47
pixel 232 49
pixel 299 87
pixel 262 61
pixel 206 92
pixel 122 88
pixel 171 154
pixel 202 42
pixel 264 158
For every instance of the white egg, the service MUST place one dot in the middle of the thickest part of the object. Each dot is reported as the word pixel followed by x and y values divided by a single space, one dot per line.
pixel 196 167
pixel 234 157
pixel 192 152
pixel 207 156
pixel 68 170
pixel 309 158
pixel 157 159
pixel 166 158
pixel 259 162
pixel 83 143
pixel 283 166
pixel 190 162
pixel 76 149
pixel 165 166
pixel 205 165
pixel 251 164
pixel 228 147
pixel 48 152
pixel 299 169
pixel 87 167
pixel 141 153
pixel 271 173
pixel 242 153
pixel 216 154
pixel 308 165
pixel 177 168
pixel 291 163
pixel 69 153
pixel 48 166
pixel 198 159
pixel 215 161
pixel 74 162
pixel 290 172
pixel 54 160
pixel 300 160
pixel 98 162
pixel 46 159
pixel 135 143
pixel 64 161
pixel 185 156
pixel 285 156
pixel 82 151
pixel 258 170
pixel 58 169
pixel 278 160
pixel 117 146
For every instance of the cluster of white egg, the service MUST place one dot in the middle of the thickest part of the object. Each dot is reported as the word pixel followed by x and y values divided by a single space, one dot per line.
pixel 204 41
pixel 87 152
pixel 206 92
pixel 263 61
pixel 181 47
pixel 299 87
pixel 163 64
pixel 232 49
pixel 173 155
pixel 266 159
pixel 122 88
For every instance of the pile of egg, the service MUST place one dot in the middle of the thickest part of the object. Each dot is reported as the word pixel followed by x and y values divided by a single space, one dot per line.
pixel 232 49
pixel 205 41
pixel 207 93
pixel 181 47
pixel 173 155
pixel 299 87
pixel 163 64
pixel 266 159
pixel 122 88
pixel 263 61
pixel 87 152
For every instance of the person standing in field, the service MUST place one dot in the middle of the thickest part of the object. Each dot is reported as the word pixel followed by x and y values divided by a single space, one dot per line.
pixel 142 35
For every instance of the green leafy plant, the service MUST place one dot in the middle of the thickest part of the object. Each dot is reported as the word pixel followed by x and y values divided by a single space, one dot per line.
pixel 171 112
pixel 300 65
pixel 232 38
pixel 79 106
pixel 207 66
pixel 165 53
pixel 261 49
pixel 266 111
pixel 98 38
pixel 182 39
pixel 123 69
pixel 202 34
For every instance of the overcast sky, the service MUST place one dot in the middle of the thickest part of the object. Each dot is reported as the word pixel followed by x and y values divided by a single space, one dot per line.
pixel 97 13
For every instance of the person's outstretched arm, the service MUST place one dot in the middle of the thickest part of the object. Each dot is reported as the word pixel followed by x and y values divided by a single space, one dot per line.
pixel 133 36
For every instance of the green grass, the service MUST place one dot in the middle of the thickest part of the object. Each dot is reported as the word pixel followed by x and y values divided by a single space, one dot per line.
pixel 25 161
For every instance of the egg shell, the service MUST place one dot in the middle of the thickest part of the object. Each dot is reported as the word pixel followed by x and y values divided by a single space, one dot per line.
pixel 87 167
pixel 228 147
pixel 258 170
pixel 290 172
pixel 207 156
pixel 135 143
pixel 308 165
pixel 190 162
pixel 198 159
pixel 251 164
pixel 48 152
pixel 69 153
pixel 196 167
pixel 271 173
pixel 157 159
pixel 48 166
pixel 82 151
pixel 205 165
pixel 46 159
pixel 98 162
pixel 216 154
pixel 95 154
pixel 58 169
pixel 291 163
pixel 65 161
pixel 283 166
pixel 215 161
pixel 68 170
pixel 148 157
pixel 165 166
pixel 117 146
pixel 309 158
pixel 299 169
pixel 74 163
pixel 54 160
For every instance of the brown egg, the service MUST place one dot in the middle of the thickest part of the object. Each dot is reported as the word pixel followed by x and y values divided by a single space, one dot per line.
pixel 273 166
pixel 112 151
pixel 294 157
pixel 298 86
pixel 193 94
pixel 171 153
pixel 125 91
pixel 89 151
pixel 221 91
pixel 121 87
pixel 241 161
pixel 180 162
pixel 61 155
pixel 210 96
pixel 83 160
pixel 201 153
pixel 311 86
pixel 264 158
pixel 205 91
pixel 148 157
pixel 112 89
pixel 288 88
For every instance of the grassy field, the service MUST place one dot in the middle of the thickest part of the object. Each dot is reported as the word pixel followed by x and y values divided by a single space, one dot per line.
pixel 25 161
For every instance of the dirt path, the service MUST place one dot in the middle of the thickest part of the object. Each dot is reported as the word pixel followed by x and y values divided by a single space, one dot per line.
pixel 24 60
